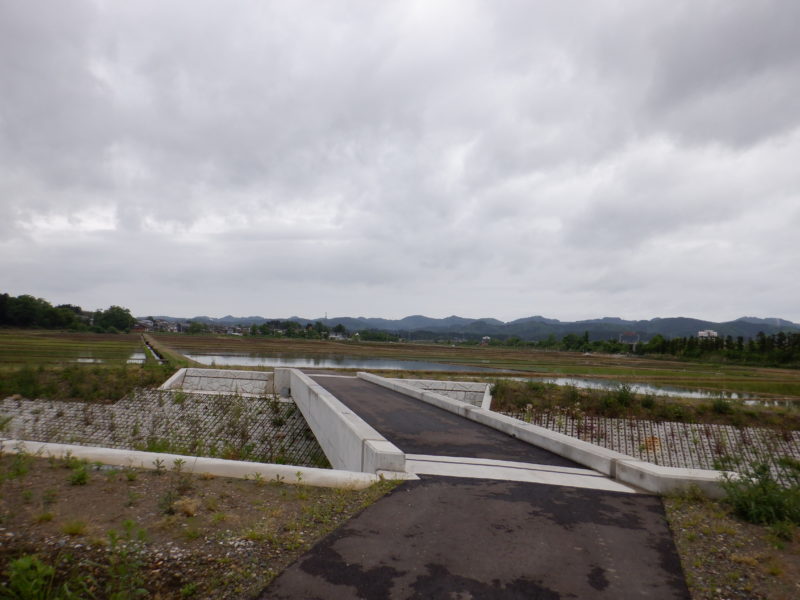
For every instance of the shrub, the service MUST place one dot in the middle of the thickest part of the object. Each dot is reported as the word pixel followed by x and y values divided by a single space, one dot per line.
pixel 79 476
pixel 500 389
pixel 571 394
pixel 535 387
pixel 126 580
pixel 28 577
pixel 76 527
pixel 624 395
pixel 766 492
pixel 721 406
pixel 610 406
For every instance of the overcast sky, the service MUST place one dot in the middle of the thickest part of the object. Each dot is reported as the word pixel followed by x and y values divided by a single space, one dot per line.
pixel 497 158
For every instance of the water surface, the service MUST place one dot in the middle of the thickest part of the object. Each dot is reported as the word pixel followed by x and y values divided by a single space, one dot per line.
pixel 641 388
pixel 329 362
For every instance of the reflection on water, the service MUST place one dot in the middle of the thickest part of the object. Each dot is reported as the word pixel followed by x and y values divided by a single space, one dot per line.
pixel 329 362
pixel 137 358
pixel 641 388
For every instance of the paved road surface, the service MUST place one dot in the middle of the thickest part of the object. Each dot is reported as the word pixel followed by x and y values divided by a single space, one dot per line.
pixel 444 537
pixel 419 428
pixel 457 538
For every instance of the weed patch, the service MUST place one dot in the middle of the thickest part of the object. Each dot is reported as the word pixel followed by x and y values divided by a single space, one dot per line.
pixel 766 492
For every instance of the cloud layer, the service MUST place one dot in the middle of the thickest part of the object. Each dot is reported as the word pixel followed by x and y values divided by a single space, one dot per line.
pixel 503 159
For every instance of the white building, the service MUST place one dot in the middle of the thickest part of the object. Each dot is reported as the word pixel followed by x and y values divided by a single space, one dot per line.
pixel 707 334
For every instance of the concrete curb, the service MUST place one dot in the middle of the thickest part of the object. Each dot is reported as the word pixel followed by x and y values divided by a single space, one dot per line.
pixel 623 468
pixel 213 466
pixel 347 440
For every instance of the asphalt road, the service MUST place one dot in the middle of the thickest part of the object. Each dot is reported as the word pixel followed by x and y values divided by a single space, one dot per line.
pixel 419 428
pixel 457 538
pixel 444 537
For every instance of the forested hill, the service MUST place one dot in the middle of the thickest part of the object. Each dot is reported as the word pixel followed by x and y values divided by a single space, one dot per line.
pixel 531 328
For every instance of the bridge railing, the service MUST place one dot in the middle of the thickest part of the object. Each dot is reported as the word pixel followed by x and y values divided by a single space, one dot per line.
pixel 347 440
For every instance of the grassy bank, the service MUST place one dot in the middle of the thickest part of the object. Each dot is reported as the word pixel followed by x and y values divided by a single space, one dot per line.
pixel 514 396
pixel 81 382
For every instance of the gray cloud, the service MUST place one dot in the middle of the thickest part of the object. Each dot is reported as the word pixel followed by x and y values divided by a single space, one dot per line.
pixel 483 158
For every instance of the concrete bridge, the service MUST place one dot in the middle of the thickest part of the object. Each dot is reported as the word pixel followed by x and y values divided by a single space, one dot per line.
pixel 492 507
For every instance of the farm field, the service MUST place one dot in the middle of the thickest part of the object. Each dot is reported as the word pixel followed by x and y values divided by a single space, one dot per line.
pixel 762 382
pixel 50 348
pixel 60 365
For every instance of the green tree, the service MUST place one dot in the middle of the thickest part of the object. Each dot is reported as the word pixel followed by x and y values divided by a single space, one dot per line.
pixel 114 316
pixel 196 327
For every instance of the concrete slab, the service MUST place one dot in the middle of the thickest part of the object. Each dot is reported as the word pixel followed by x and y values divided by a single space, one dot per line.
pixel 476 468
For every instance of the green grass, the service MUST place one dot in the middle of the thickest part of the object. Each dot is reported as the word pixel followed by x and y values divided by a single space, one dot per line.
pixel 516 396
pixel 91 383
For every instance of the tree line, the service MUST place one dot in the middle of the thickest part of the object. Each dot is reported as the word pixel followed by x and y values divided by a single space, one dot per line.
pixel 317 331
pixel 778 349
pixel 293 329
pixel 26 311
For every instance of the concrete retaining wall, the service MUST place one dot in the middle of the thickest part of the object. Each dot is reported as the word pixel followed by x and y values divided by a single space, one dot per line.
pixel 194 464
pixel 652 478
pixel 347 440
pixel 471 392
pixel 221 381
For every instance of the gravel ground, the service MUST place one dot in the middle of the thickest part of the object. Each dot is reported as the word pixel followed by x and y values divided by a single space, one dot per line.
pixel 204 537
pixel 724 558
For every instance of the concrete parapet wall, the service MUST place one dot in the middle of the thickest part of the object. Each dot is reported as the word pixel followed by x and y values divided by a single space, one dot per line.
pixel 195 464
pixel 347 440
pixel 471 392
pixel 649 477
pixel 283 381
pixel 221 381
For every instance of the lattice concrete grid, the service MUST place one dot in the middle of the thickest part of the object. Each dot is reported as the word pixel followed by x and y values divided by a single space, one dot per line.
pixel 260 429
pixel 672 444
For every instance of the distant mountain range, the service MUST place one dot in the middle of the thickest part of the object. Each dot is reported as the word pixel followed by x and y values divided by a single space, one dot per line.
pixel 528 328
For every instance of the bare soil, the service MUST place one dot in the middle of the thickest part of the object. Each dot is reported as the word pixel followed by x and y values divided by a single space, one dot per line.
pixel 724 558
pixel 205 537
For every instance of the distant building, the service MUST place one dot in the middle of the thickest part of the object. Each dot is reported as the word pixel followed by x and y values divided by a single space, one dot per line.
pixel 485 340
pixel 707 334
pixel 629 337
